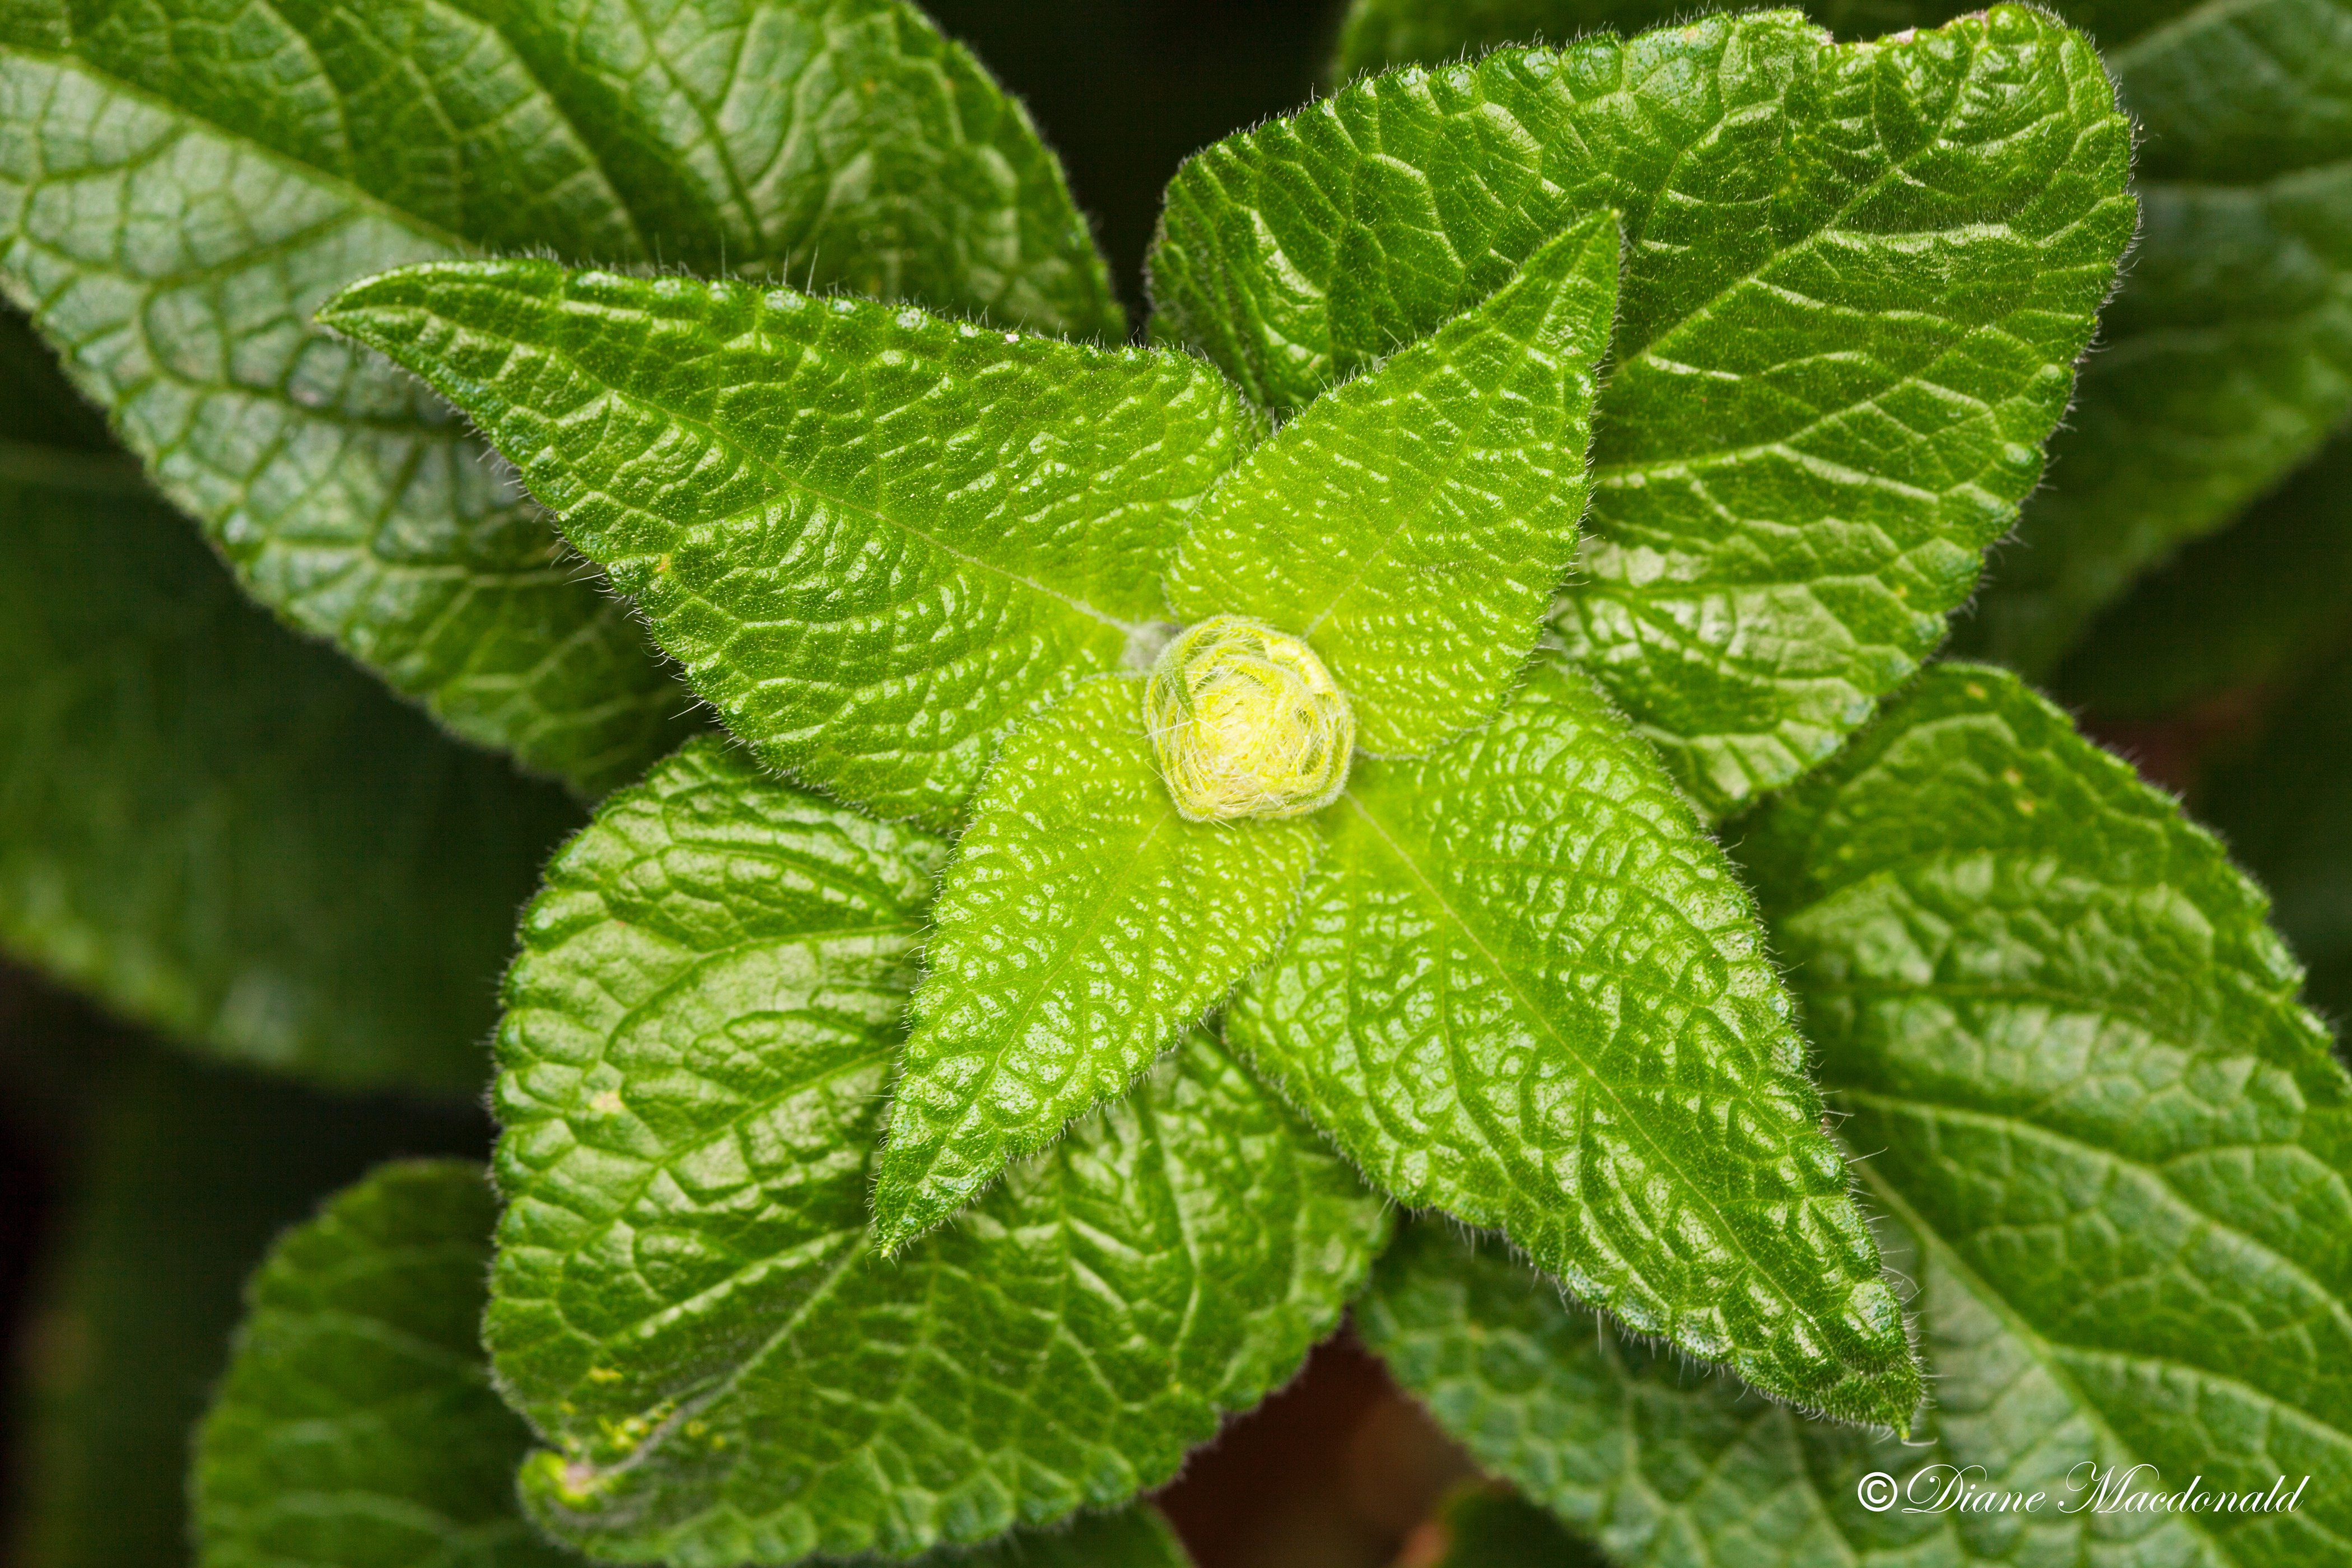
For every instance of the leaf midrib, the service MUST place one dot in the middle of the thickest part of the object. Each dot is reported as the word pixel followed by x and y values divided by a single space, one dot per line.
pixel 1700 1194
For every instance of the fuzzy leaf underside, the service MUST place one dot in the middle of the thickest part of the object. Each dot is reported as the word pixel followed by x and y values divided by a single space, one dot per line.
pixel 1081 928
pixel 1856 278
pixel 1411 525
pixel 211 826
pixel 1524 987
pixel 2256 604
pixel 873 537
pixel 687 1302
pixel 356 1426
pixel 177 195
pixel 2111 1150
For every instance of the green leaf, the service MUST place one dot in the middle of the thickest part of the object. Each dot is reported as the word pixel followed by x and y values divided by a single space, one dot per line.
pixel 1665 1466
pixel 686 1301
pixel 2227 357
pixel 1082 926
pixel 2066 1033
pixel 873 537
pixel 189 1170
pixel 2117 1159
pixel 2254 604
pixel 1856 280
pixel 1411 525
pixel 357 1426
pixel 176 196
pixel 1526 988
pixel 2285 804
pixel 216 827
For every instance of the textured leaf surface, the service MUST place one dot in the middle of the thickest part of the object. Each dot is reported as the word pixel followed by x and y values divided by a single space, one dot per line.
pixel 177 193
pixel 2113 1147
pixel 2254 604
pixel 213 826
pixel 1082 926
pixel 1856 280
pixel 1526 988
pixel 188 1172
pixel 1411 525
pixel 687 1302
pixel 2228 355
pixel 872 536
pixel 2285 807
pixel 1662 1462
pixel 356 1426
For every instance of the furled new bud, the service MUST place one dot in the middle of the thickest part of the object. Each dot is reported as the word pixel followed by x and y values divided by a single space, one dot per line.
pixel 1246 723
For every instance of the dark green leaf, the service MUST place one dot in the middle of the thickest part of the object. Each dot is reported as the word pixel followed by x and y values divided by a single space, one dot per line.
pixel 1526 988
pixel 177 195
pixel 1082 926
pixel 2113 1151
pixel 873 537
pixel 220 829
pixel 192 1168
pixel 687 1300
pixel 1665 1464
pixel 1411 525
pixel 2248 605
pixel 1855 283
pixel 357 1427
pixel 2228 355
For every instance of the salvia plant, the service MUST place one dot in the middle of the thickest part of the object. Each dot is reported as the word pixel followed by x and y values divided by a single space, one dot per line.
pixel 1424 782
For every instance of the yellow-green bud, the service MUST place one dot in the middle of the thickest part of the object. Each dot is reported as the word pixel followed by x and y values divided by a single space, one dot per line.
pixel 1246 723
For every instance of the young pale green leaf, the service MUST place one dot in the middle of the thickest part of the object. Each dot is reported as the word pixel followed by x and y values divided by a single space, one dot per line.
pixel 1411 525
pixel 873 537
pixel 1082 926
pixel 357 1427
pixel 686 1301
pixel 186 1170
pixel 1525 987
pixel 177 195
pixel 2114 1151
pixel 214 826
pixel 1856 278
pixel 2255 603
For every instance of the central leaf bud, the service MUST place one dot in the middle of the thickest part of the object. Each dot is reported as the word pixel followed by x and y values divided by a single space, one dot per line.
pixel 1246 723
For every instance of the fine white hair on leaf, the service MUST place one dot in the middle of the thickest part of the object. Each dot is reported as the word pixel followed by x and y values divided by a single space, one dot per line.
pixel 1245 722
